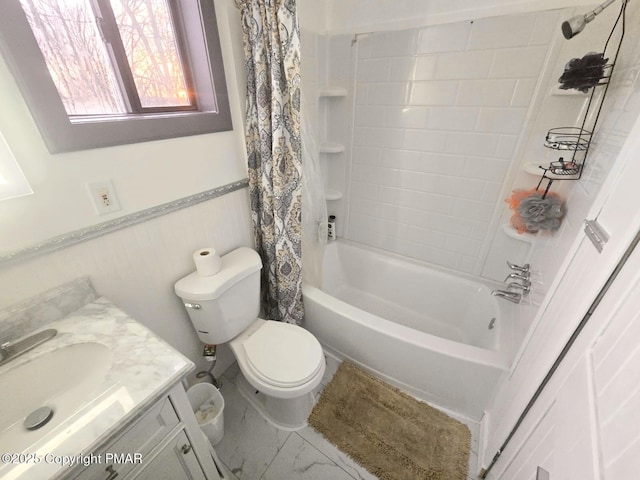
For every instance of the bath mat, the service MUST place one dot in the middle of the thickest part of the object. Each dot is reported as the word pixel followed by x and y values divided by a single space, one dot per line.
pixel 388 432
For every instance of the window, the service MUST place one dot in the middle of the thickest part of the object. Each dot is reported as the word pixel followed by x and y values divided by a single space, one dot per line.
pixel 107 72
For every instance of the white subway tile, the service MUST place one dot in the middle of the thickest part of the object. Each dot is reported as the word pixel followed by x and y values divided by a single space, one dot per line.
pixel 545 27
pixel 460 187
pixel 396 93
pixel 485 93
pixel 364 191
pixel 523 94
pixel 452 165
pixel 473 210
pixel 357 172
pixel 362 95
pixel 374 70
pixel 434 203
pixel 452 37
pixel 413 180
pixel 360 136
pixel 461 244
pixel 425 236
pixel 367 155
pixel 453 118
pixel 486 169
pixel 518 62
pixel 501 32
pixel 424 140
pixel 425 67
pixel 400 159
pixel 394 44
pixel 476 144
pixel 434 93
pixel 396 196
pixel 367 116
pixel 406 117
pixel 364 45
pixel 384 137
pixel 464 65
pixel 491 192
pixel 478 230
pixel 401 69
pixel 466 264
pixel 412 216
pixel 507 146
pixel 501 120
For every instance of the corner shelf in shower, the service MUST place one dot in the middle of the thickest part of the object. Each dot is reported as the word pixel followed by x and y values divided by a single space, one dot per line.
pixel 333 92
pixel 331 194
pixel 331 148
pixel 511 232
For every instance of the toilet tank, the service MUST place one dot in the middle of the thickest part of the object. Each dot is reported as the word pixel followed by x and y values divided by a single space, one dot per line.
pixel 221 306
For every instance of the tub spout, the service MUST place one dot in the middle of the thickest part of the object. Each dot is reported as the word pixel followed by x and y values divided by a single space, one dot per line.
pixel 514 297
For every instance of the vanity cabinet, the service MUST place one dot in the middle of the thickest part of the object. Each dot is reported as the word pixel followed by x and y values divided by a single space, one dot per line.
pixel 162 442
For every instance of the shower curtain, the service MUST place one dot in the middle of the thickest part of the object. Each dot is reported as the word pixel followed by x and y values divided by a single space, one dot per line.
pixel 272 56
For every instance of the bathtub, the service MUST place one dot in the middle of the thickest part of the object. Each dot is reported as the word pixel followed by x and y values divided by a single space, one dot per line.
pixel 420 329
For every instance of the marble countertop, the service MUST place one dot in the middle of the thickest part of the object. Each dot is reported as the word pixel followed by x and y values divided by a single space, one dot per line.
pixel 142 368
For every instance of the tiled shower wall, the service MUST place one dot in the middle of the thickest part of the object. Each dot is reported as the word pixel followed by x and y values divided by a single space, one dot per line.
pixel 439 112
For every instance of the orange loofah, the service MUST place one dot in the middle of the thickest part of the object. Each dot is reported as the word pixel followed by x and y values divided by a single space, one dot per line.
pixel 514 201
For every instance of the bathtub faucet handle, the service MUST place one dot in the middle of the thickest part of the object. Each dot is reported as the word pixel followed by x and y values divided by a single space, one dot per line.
pixel 518 276
pixel 524 269
pixel 513 297
pixel 525 286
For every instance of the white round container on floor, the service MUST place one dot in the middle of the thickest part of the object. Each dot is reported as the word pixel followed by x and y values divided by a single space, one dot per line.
pixel 211 420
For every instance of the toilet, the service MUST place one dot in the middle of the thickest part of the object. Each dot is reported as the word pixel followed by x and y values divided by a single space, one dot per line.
pixel 281 364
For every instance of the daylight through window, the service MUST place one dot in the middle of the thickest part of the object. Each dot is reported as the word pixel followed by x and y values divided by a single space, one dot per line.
pixel 112 57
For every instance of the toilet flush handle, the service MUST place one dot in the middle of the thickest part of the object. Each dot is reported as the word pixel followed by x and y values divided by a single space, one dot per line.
pixel 195 306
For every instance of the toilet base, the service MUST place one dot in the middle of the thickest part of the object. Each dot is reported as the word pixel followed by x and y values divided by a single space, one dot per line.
pixel 289 414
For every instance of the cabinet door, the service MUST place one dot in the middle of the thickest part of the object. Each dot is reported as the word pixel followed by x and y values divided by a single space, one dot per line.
pixel 176 461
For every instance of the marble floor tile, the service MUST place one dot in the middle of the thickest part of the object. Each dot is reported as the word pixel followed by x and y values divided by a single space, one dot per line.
pixel 252 449
pixel 332 452
pixel 250 443
pixel 299 460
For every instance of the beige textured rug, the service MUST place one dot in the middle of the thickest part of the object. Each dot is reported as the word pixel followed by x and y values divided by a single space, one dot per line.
pixel 388 432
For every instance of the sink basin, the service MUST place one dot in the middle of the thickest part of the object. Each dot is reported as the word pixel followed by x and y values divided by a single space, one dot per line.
pixel 64 380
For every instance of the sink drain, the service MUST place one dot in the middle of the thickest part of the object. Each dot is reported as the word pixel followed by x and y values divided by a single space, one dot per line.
pixel 38 418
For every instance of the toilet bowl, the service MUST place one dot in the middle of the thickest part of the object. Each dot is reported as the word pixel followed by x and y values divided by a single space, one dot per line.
pixel 281 364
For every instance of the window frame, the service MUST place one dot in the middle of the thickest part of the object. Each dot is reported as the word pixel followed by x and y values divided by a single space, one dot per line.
pixel 197 31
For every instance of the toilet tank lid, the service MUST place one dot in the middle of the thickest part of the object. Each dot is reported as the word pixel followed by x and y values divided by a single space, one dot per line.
pixel 236 266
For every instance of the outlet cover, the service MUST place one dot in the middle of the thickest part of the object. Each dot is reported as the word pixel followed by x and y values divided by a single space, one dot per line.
pixel 103 196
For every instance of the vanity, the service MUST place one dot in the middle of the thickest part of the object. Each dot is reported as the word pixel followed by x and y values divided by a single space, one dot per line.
pixel 111 392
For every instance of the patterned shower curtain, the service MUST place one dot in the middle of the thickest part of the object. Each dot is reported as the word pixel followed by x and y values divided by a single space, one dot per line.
pixel 272 56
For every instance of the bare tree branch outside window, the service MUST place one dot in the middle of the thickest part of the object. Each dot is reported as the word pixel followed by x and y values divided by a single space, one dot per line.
pixel 80 62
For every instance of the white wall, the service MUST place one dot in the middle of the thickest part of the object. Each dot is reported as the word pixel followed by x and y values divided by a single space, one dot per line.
pixel 439 113
pixel 362 16
pixel 143 175
pixel 135 267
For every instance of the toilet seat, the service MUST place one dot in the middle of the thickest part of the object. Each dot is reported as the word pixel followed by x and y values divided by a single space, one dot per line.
pixel 283 355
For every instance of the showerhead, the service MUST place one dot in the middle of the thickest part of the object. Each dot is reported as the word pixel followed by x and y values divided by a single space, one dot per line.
pixel 575 25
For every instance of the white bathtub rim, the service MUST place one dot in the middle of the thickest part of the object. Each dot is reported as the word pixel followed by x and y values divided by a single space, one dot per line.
pixel 406 334
pixel 506 314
